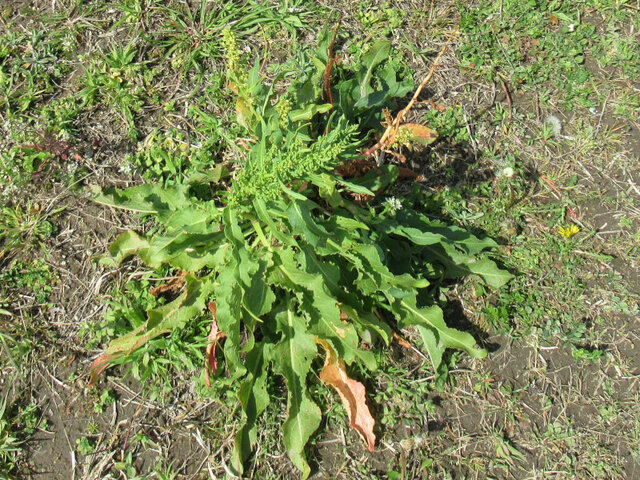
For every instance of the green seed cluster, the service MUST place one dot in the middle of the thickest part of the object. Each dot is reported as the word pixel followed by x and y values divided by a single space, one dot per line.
pixel 264 177
pixel 236 72
pixel 283 107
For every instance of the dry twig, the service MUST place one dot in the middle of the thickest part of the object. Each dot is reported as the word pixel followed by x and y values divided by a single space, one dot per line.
pixel 392 129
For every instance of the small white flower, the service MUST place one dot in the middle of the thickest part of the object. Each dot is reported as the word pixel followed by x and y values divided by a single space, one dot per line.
pixel 393 204
pixel 125 168
pixel 571 27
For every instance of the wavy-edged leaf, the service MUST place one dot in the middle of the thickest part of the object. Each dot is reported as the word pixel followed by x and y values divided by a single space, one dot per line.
pixel 487 269
pixel 327 188
pixel 322 309
pixel 368 321
pixel 408 313
pixel 229 298
pixel 458 264
pixel 148 198
pixel 377 178
pixel 356 187
pixel 254 398
pixel 389 284
pixel 454 235
pixel 378 52
pixel 265 216
pixel 300 216
pixel 126 244
pixel 292 358
pixel 417 235
pixel 164 319
pixel 352 393
pixel 310 111
pixel 259 297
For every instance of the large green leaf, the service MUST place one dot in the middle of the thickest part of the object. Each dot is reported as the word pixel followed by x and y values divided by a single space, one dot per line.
pixel 377 54
pixel 458 264
pixel 254 398
pixel 126 244
pixel 453 234
pixel 229 299
pixel 149 198
pixel 292 357
pixel 322 309
pixel 408 313
pixel 259 297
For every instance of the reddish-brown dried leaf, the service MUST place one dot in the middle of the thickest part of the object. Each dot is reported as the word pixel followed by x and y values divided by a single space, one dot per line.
pixel 175 284
pixel 351 392
pixel 401 341
pixel 214 335
pixel 419 135
pixel 98 366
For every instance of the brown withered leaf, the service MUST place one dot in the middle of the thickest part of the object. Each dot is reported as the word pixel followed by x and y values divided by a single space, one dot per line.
pixel 214 335
pixel 98 366
pixel 401 341
pixel 352 393
pixel 173 285
pixel 414 135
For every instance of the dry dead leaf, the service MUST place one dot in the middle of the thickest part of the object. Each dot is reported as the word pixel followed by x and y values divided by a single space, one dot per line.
pixel 414 135
pixel 98 366
pixel 401 341
pixel 175 284
pixel 214 335
pixel 352 393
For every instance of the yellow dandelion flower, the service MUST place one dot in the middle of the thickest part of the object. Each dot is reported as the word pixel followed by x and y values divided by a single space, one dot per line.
pixel 568 232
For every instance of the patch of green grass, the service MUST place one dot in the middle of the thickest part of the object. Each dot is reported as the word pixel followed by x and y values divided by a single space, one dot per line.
pixel 32 63
pixel 32 277
pixel 156 363
pixel 449 124
pixel 9 443
pixel 24 227
pixel 172 155
pixel 545 45
pixel 119 81
pixel 17 425
pixel 380 20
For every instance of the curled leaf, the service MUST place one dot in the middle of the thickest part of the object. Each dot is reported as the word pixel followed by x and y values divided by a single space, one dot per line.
pixel 352 393
pixel 214 335
pixel 174 285
pixel 160 320
pixel 98 366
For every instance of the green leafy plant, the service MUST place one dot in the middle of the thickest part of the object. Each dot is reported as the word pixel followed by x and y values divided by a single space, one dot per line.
pixel 9 443
pixel 85 446
pixel 34 276
pixel 21 227
pixel 287 260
